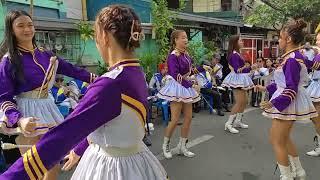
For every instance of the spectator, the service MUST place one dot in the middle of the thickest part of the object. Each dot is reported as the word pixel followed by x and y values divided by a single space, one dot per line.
pixel 156 83
pixel 308 51
pixel 205 82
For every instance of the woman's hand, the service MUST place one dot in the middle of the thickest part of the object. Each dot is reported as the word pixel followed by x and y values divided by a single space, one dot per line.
pixel 28 125
pixel 266 105
pixel 196 87
pixel 71 159
pixel 259 88
pixel 207 68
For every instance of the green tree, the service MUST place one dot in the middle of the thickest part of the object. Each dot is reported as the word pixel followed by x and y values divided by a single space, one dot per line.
pixel 275 12
pixel 162 23
pixel 86 33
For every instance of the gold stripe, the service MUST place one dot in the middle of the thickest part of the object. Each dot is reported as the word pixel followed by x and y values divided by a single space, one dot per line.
pixel 38 160
pixel 8 108
pixel 130 64
pixel 33 164
pixel 6 103
pixel 135 103
pixel 300 61
pixel 37 63
pixel 287 96
pixel 285 54
pixel 138 114
pixel 290 94
pixel 290 90
pixel 27 168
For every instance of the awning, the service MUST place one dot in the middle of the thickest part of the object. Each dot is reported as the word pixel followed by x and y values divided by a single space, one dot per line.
pixel 210 20
pixel 70 24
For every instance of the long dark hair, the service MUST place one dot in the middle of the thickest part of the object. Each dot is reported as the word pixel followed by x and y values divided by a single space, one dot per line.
pixel 10 45
pixel 233 45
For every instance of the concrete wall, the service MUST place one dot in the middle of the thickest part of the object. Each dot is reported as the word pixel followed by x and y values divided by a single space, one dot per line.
pixel 74 9
pixel 141 7
pixel 47 8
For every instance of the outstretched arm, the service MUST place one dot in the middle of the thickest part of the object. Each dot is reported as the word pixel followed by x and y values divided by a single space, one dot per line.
pixel 101 104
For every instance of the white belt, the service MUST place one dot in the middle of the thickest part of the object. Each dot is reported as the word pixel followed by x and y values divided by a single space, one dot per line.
pixel 120 152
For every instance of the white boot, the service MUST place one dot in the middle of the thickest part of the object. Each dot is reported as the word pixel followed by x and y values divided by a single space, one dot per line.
pixel 285 173
pixel 166 148
pixel 300 172
pixel 182 148
pixel 228 125
pixel 292 166
pixel 238 122
pixel 316 151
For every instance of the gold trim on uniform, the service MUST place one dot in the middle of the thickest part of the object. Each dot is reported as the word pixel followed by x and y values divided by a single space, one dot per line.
pixel 316 66
pixel 137 113
pixel 136 104
pixel 38 160
pixel 27 168
pixel 33 164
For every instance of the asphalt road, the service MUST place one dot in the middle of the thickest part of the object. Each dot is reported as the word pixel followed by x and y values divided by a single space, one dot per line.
pixel 224 156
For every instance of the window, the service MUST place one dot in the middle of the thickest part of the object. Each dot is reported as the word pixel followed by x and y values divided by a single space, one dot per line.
pixel 226 5
pixel 66 44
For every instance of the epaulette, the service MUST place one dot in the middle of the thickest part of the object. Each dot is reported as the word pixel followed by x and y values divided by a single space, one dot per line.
pixel 113 74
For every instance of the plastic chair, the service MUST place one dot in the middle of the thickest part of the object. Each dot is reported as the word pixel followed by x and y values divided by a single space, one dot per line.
pixel 64 110
pixel 164 105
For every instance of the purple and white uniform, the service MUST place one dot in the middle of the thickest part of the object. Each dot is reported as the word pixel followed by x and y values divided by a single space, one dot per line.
pixel 178 86
pixel 289 96
pixel 313 89
pixel 111 116
pixel 239 75
pixel 27 99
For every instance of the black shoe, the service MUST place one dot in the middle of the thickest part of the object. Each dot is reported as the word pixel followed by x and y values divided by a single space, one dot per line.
pixel 226 108
pixel 219 113
pixel 147 141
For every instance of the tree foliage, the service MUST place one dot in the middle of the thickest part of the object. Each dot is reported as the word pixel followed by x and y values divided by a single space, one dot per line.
pixel 86 33
pixel 162 23
pixel 200 51
pixel 275 12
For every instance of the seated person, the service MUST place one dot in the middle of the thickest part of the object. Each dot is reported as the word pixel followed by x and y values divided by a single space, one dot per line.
pixel 62 95
pixel 205 81
pixel 217 75
pixel 80 87
pixel 217 68
pixel 156 83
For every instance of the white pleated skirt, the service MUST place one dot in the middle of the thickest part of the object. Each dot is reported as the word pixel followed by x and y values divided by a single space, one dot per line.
pixel 174 91
pixel 300 109
pixel 238 80
pixel 44 109
pixel 95 164
pixel 313 90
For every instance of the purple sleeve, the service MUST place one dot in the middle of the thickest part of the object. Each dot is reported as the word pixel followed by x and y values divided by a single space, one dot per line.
pixel 70 70
pixel 81 147
pixel 7 104
pixel 271 88
pixel 292 75
pixel 315 64
pixel 173 70
pixel 197 70
pixel 246 70
pixel 237 63
pixel 101 104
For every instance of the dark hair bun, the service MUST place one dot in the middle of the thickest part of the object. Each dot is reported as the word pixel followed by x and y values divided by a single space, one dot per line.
pixel 301 24
pixel 123 23
pixel 295 29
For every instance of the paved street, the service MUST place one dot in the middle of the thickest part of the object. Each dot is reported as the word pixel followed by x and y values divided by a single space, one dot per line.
pixel 222 156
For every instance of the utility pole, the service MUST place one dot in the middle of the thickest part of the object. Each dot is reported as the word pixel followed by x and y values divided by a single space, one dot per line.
pixel 31 8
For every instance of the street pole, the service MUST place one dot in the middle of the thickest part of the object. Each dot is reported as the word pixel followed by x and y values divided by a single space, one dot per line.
pixel 31 8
